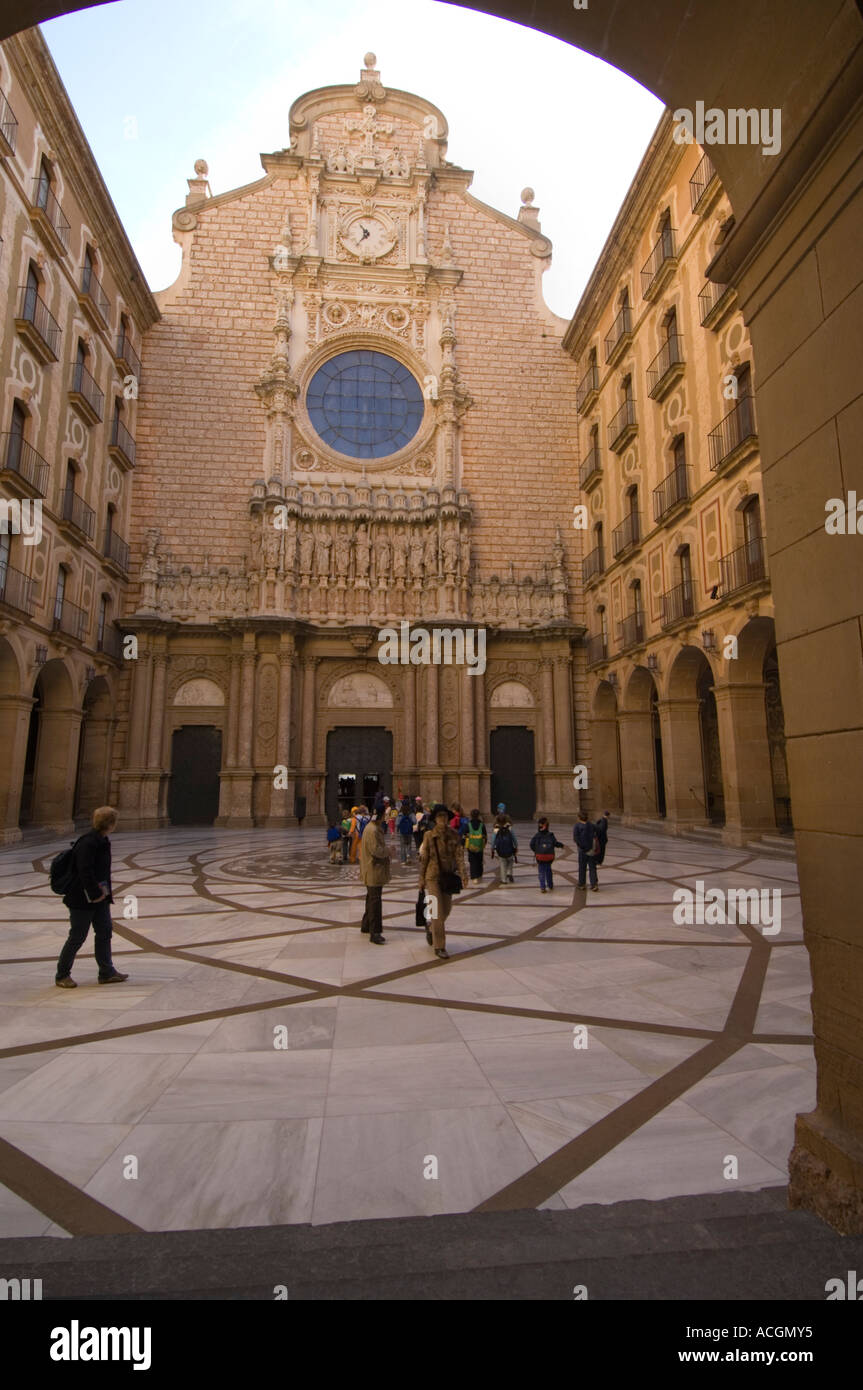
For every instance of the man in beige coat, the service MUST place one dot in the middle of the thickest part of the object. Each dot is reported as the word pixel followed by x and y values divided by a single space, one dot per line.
pixel 374 872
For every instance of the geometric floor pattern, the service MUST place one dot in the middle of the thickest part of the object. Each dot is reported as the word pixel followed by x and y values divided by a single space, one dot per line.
pixel 266 1064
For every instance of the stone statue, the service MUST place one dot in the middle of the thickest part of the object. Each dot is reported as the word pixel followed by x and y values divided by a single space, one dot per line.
pixel 290 545
pixel 430 554
pixel 272 544
pixel 322 554
pixel 400 554
pixel 343 552
pixel 363 552
pixel 307 546
pixel 257 525
pixel 384 555
pixel 450 554
pixel 465 555
pixel 149 572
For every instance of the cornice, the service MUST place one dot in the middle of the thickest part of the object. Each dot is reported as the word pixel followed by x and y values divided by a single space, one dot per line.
pixel 35 69
pixel 541 243
pixel 191 210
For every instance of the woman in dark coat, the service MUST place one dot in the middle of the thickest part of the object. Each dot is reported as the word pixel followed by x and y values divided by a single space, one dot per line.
pixel 440 853
pixel 89 899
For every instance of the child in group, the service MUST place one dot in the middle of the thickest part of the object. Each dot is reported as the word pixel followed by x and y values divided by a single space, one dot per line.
pixel 504 844
pixel 475 842
pixel 334 840
pixel 405 828
pixel 543 844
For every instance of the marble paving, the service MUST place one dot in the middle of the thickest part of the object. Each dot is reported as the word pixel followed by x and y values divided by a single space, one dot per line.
pixel 265 1063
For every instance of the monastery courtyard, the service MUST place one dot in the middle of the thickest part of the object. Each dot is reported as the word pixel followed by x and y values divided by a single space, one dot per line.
pixel 266 1064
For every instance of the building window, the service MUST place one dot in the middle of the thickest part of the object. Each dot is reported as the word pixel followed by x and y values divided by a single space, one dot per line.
pixel 104 604
pixel 60 595
pixel 43 184
pixel 365 404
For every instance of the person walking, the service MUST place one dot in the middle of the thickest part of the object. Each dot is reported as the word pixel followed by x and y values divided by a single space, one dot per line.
pixel 422 820
pixel 359 821
pixel 439 861
pixel 346 834
pixel 334 841
pixel 389 816
pixel 405 828
pixel 458 823
pixel 543 844
pixel 504 844
pixel 585 836
pixel 475 843
pixel 374 873
pixel 602 835
pixel 89 899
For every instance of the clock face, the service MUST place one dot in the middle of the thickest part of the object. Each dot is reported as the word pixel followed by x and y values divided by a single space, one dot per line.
pixel 368 238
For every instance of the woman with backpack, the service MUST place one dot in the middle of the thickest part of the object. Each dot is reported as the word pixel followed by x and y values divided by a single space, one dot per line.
pixel 504 844
pixel 439 877
pixel 475 842
pixel 405 828
pixel 543 844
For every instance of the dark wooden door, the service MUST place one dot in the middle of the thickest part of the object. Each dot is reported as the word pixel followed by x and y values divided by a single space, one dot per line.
pixel 359 763
pixel 196 759
pixel 513 774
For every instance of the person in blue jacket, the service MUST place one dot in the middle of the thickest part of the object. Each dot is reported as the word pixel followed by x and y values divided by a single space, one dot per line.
pixel 543 844
pixel 585 836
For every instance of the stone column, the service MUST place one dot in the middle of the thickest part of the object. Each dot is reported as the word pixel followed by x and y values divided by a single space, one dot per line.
pixel 480 740
pixel 432 788
pixel 56 766
pixel 14 727
pixel 638 767
pixel 745 752
pixel 683 762
pixel 229 756
pixel 157 711
pixel 563 709
pixel 243 777
pixel 548 743
pixel 409 758
pixel 282 798
pixel 307 760
pixel 469 779
pixel 604 791
pixel 130 780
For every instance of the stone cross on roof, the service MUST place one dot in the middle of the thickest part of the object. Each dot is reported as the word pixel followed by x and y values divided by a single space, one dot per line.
pixel 369 127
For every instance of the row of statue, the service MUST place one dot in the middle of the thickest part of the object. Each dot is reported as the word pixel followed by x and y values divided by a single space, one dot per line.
pixel 384 552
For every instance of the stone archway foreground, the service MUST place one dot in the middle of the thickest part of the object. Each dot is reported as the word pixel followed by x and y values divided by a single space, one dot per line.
pixel 795 259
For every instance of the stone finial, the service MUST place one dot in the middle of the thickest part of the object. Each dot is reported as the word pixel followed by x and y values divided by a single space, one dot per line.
pixel 202 168
pixel 527 195
pixel 370 61
pixel 198 186
pixel 527 213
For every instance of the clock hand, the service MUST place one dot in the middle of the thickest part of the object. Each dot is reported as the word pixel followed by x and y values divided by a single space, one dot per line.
pixel 364 230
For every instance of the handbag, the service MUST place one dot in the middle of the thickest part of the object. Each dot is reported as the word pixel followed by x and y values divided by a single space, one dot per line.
pixel 420 915
pixel 449 882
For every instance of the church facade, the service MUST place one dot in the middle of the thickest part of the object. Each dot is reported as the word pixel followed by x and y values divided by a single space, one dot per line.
pixel 339 437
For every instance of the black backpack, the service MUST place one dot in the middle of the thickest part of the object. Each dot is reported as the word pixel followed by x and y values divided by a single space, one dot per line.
pixel 503 845
pixel 62 871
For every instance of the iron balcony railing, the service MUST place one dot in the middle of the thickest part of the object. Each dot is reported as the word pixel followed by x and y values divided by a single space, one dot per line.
pixel 669 355
pixel 111 643
pixel 43 197
pixel 84 385
pixel 33 309
pixel 708 298
pixel 597 650
pixel 77 513
pixel 619 329
pixel 677 603
pixel 735 429
pixel 589 383
pixel 126 353
pixel 631 630
pixel 626 534
pixel 121 439
pixel 8 123
pixel 71 619
pixel 674 488
pixel 590 467
pixel 743 566
pixel 701 180
pixel 93 287
pixel 116 549
pixel 592 564
pixel 21 458
pixel 621 422
pixel 16 589
pixel 663 251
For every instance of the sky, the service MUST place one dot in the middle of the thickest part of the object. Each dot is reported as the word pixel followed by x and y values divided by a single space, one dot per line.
pixel 157 84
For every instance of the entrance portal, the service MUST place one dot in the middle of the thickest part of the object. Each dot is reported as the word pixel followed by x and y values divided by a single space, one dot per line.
pixel 513 778
pixel 196 759
pixel 359 765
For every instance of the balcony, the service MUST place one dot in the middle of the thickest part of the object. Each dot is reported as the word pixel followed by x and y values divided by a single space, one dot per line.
pixel 659 266
pixel 122 446
pixel 49 219
pixel 666 368
pixel 626 535
pixel 631 630
pixel 77 514
pixel 597 650
pixel 116 552
pixel 587 389
pixel 678 603
pixel 70 619
pixel 85 395
pixel 742 567
pixel 110 643
pixel 16 590
pixel 715 303
pixel 8 127
pixel 591 469
pixel 620 336
pixel 592 565
pixel 21 468
pixel 735 437
pixel 702 186
pixel 93 299
pixel 623 427
pixel 127 358
pixel 39 329
pixel 672 492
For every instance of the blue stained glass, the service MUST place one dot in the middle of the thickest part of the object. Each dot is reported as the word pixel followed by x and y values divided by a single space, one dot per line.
pixel 365 404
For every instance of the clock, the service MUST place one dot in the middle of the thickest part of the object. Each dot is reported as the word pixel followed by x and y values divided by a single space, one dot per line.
pixel 367 238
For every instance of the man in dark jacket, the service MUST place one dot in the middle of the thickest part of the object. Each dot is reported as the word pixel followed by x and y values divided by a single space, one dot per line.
pixel 88 900
pixel 585 837
pixel 602 835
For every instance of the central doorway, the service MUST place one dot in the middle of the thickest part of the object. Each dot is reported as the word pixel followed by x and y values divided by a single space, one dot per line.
pixel 196 760
pixel 513 771
pixel 359 765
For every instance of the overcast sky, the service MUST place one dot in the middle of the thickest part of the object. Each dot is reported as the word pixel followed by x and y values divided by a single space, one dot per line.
pixel 158 84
